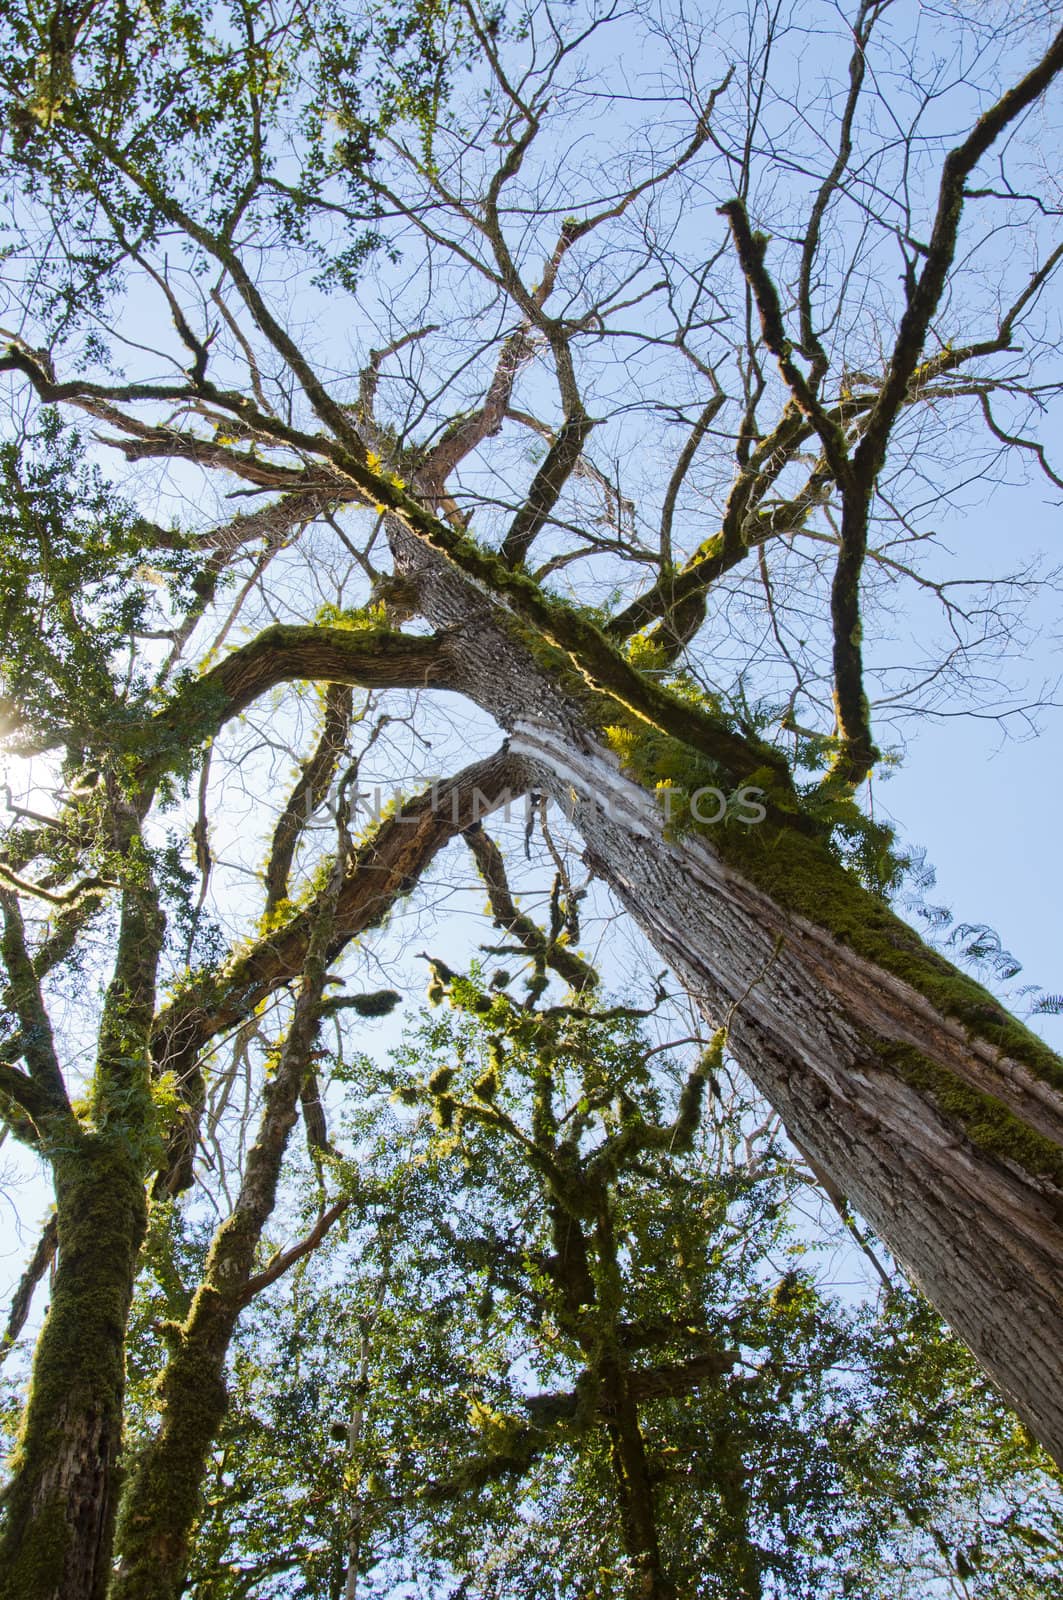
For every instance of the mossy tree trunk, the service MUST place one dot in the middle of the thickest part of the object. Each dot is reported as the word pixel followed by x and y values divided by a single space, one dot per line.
pixel 161 1504
pixel 925 1104
pixel 60 1505
pixel 570 1268
pixel 61 1499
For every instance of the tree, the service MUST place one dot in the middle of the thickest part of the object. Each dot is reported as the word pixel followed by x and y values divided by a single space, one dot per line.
pixel 608 1363
pixel 776 403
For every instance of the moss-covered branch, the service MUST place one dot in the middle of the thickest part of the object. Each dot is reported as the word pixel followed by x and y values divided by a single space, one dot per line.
pixel 576 972
pixel 546 487
pixel 59 1506
pixel 369 655
pixel 44 1092
pixel 384 867
pixel 312 786
pixel 751 248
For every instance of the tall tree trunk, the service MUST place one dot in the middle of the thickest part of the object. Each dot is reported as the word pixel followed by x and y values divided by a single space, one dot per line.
pixel 631 1473
pixel 161 1503
pixel 60 1504
pixel 935 1113
pixel 159 1509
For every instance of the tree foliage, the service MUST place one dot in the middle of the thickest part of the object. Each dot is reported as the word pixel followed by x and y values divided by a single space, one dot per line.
pixel 425 1401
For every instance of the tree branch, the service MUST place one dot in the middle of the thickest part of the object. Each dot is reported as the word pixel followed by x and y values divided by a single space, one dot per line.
pixel 39 1262
pixel 576 972
pixel 387 866
pixel 925 297
pixel 313 783
pixel 370 657
pixel 279 1264
pixel 48 1095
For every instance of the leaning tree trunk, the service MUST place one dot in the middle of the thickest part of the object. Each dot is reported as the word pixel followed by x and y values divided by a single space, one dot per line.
pixel 936 1114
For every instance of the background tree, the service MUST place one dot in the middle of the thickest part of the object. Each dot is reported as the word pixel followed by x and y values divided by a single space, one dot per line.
pixel 103 1132
pixel 425 1402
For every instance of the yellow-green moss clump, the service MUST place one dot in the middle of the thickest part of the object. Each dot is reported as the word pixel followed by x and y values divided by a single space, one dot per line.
pixel 797 856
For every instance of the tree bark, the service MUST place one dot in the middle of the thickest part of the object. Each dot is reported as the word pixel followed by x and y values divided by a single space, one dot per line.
pixel 936 1114
pixel 60 1502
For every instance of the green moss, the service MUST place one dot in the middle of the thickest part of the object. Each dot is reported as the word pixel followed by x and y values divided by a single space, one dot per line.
pixel 487 1085
pixel 799 857
pixel 800 873
pixel 441 1080
pixel 984 1119
pixel 361 619
pixel 75 1399
pixel 377 1003
pixel 581 658
pixel 159 1509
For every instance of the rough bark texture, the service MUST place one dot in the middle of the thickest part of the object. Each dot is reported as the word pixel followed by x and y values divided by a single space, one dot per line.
pixel 60 1507
pixel 981 1233
pixel 60 1503
pixel 948 1143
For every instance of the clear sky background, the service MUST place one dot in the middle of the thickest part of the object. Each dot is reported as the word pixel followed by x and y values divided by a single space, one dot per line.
pixel 985 798
pixel 987 815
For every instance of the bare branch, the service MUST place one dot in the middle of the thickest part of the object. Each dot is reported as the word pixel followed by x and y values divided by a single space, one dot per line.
pixel 39 1262
pixel 280 1263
